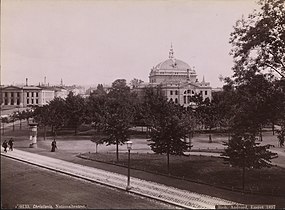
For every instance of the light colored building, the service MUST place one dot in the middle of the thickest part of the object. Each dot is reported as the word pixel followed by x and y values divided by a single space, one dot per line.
pixel 16 96
pixel 178 81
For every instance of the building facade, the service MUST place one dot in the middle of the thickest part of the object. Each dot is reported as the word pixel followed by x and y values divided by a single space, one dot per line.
pixel 178 81
pixel 17 97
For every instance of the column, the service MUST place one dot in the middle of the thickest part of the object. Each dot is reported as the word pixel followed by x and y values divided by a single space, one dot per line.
pixel 33 135
pixel 9 98
pixel 21 98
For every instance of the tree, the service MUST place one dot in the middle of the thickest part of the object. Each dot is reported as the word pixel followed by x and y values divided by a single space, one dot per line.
pixel 42 116
pixel 259 41
pixel 135 82
pixel 99 91
pixel 75 110
pixel 117 114
pixel 242 151
pixel 169 124
pixel 208 115
pixel 57 113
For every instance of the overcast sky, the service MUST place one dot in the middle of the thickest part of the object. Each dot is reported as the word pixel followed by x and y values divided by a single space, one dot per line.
pixel 88 42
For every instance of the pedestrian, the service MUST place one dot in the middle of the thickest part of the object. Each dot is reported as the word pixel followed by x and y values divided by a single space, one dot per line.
pixel 53 146
pixel 5 145
pixel 11 143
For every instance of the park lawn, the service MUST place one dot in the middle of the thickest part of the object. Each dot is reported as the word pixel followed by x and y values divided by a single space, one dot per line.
pixel 208 170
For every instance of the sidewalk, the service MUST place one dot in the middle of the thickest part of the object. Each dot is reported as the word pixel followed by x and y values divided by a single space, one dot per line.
pixel 200 189
pixel 172 195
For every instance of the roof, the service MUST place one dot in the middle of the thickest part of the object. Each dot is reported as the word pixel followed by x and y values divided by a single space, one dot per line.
pixel 172 64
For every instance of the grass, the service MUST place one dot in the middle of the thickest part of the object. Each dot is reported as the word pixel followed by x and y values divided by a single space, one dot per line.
pixel 208 170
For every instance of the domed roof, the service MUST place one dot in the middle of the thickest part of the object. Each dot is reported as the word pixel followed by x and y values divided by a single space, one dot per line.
pixel 171 64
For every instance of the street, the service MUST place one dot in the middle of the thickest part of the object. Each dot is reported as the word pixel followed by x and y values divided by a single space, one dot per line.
pixel 25 185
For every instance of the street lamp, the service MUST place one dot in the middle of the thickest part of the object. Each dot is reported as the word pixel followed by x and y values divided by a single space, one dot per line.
pixel 129 147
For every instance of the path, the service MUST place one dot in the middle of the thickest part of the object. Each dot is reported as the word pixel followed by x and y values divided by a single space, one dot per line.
pixel 172 195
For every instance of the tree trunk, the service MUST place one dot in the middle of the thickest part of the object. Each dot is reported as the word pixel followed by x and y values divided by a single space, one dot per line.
pixel 13 125
pixel 260 134
pixel 96 147
pixel 20 124
pixel 273 129
pixel 243 178
pixel 210 136
pixel 45 132
pixel 117 150
pixel 168 168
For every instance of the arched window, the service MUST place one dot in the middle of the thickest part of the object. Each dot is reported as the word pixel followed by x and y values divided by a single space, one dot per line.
pixel 176 100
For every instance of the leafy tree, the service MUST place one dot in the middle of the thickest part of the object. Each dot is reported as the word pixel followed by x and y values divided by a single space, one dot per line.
pixel 75 110
pixel 259 41
pixel 168 123
pixel 242 151
pixel 135 82
pixel 99 91
pixel 57 111
pixel 117 116
pixel 27 114
pixel 207 113
pixel 42 116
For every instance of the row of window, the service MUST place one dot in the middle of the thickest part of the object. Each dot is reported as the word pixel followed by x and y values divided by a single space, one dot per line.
pixel 176 92
pixel 32 101
pixel 17 94
pixel 188 92
pixel 32 94
pixel 12 94
pixel 12 102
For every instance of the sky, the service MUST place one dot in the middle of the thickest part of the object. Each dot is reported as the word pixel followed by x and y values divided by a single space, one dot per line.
pixel 87 42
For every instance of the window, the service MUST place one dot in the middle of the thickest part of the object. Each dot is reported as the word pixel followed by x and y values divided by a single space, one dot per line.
pixel 6 94
pixel 176 92
pixel 32 94
pixel 12 101
pixel 18 94
pixel 171 92
pixel 37 94
pixel 6 101
pixel 188 98
pixel 185 100
pixel 28 94
pixel 206 92
pixel 188 91
pixel 193 92
pixel 12 95
pixel 28 101
pixel 18 101
pixel 37 101
pixel 176 100
pixel 201 92
pixel 32 101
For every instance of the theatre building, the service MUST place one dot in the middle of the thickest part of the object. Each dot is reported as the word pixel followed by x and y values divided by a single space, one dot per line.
pixel 178 81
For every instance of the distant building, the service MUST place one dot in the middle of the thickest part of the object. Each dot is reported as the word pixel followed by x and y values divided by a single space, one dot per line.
pixel 16 96
pixel 178 81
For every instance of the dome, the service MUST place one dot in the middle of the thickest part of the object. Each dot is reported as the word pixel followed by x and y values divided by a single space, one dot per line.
pixel 172 64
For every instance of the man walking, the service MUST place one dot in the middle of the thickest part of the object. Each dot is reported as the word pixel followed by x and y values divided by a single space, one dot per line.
pixel 53 146
pixel 5 145
pixel 11 143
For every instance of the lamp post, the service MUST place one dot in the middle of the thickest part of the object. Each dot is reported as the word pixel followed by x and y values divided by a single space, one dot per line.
pixel 129 147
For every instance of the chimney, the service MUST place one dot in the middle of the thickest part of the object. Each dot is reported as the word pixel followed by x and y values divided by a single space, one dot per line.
pixel 26 81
